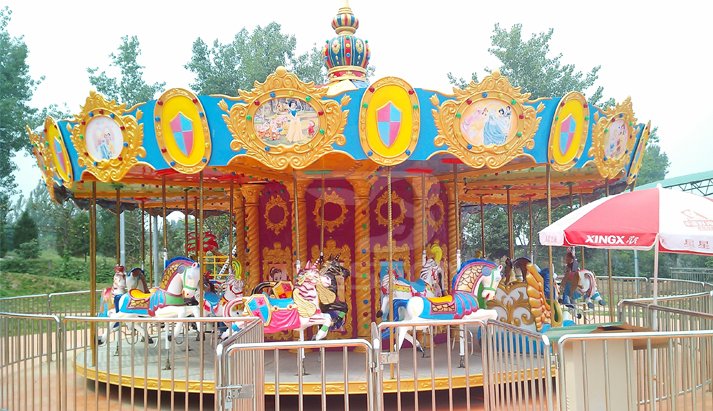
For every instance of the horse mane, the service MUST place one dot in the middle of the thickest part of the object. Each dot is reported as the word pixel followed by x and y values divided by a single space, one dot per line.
pixel 467 264
pixel 172 269
pixel 143 278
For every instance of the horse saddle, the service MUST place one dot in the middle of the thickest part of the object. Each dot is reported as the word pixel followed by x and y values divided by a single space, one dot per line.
pixel 442 304
pixel 138 299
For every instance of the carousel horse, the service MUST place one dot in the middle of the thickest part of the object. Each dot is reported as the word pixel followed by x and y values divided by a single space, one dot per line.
pixel 332 275
pixel 578 283
pixel 429 284
pixel 527 301
pixel 134 280
pixel 180 281
pixel 297 313
pixel 475 283
pixel 216 305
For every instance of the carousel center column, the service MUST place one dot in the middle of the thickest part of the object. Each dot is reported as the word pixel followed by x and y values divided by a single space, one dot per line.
pixel 252 221
pixel 418 226
pixel 302 210
pixel 362 278
pixel 240 232
pixel 452 233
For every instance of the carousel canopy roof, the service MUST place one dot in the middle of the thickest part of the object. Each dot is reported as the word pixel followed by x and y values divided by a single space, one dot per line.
pixel 497 139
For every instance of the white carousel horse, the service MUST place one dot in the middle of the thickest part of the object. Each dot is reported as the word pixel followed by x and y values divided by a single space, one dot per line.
pixel 578 283
pixel 180 280
pixel 428 285
pixel 215 305
pixel 297 313
pixel 475 283
pixel 134 280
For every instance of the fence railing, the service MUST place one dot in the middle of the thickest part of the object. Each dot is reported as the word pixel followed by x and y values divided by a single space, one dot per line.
pixel 631 371
pixel 30 373
pixel 68 361
pixel 704 275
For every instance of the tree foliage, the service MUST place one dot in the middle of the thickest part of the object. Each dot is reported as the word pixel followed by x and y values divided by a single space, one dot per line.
pixel 25 229
pixel 250 57
pixel 130 87
pixel 527 64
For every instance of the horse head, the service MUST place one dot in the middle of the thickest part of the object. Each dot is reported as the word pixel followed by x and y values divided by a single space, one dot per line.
pixel 490 283
pixel 136 280
pixel 191 277
pixel 432 274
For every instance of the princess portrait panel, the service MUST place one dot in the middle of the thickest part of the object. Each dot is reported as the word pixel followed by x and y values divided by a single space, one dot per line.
pixel 284 121
pixel 104 138
pixel 488 122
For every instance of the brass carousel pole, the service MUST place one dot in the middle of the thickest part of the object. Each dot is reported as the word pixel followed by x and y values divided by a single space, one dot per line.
pixel 425 220
pixel 297 222
pixel 93 268
pixel 611 291
pixel 390 242
pixel 200 284
pixel 199 239
pixel 321 216
pixel 529 208
pixel 511 237
pixel 165 227
pixel 232 224
pixel 118 226
pixel 185 221
pixel 581 204
pixel 549 222
pixel 151 267
pixel 457 210
pixel 195 220
pixel 143 235
pixel 482 226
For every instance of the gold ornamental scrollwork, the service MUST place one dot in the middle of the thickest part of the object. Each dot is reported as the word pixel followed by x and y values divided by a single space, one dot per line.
pixel 639 155
pixel 434 200
pixel 276 201
pixel 120 161
pixel 451 114
pixel 330 225
pixel 331 121
pixel 41 153
pixel 395 199
pixel 613 139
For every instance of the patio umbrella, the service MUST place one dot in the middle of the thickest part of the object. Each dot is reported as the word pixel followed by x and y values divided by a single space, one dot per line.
pixel 668 220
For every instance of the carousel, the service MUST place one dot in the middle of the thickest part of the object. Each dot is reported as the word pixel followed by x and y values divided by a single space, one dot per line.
pixel 363 179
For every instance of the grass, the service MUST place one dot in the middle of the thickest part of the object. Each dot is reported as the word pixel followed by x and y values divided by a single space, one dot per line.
pixel 15 284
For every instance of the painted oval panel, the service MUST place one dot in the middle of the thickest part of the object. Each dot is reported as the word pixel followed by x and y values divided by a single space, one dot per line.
pixel 488 122
pixel 182 132
pixel 568 135
pixel 60 158
pixel 104 138
pixel 389 121
pixel 286 121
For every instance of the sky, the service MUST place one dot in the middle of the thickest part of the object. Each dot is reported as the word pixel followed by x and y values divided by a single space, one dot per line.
pixel 656 52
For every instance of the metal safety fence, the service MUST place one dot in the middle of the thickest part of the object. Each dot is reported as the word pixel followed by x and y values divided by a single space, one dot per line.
pixel 71 361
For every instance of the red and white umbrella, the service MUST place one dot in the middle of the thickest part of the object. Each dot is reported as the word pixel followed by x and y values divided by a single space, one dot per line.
pixel 669 220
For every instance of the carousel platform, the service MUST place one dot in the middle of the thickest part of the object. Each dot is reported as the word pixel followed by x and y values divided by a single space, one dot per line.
pixel 141 366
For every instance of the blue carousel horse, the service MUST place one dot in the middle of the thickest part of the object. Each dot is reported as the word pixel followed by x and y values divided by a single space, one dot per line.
pixel 475 283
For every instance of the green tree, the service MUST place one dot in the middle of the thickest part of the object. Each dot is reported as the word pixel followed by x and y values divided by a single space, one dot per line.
pixel 130 88
pixel 77 237
pixel 655 164
pixel 227 68
pixel 526 64
pixel 25 230
pixel 16 89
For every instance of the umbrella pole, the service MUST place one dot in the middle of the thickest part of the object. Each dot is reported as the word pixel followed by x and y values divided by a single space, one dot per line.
pixel 656 282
